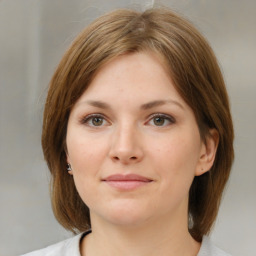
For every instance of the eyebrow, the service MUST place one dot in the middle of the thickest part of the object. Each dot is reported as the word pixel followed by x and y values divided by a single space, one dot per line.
pixel 98 104
pixel 157 103
pixel 146 106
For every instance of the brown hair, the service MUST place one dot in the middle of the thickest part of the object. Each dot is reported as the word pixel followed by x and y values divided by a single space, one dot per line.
pixel 197 78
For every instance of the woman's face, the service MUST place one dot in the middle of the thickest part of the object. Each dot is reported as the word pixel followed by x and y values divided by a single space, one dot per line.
pixel 133 144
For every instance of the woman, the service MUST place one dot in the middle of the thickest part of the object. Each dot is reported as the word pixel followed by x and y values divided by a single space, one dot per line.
pixel 138 137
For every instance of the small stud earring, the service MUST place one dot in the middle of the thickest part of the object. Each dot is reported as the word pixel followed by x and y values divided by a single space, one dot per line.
pixel 69 168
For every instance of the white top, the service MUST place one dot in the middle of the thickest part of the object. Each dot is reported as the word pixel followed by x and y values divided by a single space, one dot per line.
pixel 71 247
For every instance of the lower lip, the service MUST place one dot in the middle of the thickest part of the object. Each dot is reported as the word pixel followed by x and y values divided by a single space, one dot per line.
pixel 127 185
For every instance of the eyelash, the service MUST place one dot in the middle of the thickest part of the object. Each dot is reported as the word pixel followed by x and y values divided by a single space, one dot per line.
pixel 85 120
pixel 169 118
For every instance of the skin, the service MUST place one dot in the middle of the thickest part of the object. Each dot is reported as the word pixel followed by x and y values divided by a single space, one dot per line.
pixel 131 120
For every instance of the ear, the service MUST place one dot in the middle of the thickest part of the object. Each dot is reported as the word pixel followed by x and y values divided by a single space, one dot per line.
pixel 208 152
pixel 69 166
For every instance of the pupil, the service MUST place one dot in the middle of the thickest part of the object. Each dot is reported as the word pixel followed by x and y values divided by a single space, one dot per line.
pixel 158 121
pixel 97 121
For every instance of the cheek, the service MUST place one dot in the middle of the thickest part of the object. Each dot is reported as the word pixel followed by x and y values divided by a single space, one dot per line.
pixel 176 157
pixel 84 151
pixel 85 157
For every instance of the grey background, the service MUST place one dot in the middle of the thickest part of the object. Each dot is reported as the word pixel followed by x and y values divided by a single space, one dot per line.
pixel 33 36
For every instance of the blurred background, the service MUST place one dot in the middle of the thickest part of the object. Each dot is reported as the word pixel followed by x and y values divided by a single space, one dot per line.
pixel 34 35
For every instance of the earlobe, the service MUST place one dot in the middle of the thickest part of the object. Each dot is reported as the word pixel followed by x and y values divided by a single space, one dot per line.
pixel 208 152
pixel 69 168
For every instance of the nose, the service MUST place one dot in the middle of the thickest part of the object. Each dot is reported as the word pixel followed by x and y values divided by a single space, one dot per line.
pixel 126 145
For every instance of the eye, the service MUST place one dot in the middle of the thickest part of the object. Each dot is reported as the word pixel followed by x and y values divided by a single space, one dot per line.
pixel 161 120
pixel 94 120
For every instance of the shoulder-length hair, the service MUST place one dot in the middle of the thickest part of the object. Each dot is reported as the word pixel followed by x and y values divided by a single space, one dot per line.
pixel 196 75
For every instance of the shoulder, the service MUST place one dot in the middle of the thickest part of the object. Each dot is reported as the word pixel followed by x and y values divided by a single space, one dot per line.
pixel 209 249
pixel 64 248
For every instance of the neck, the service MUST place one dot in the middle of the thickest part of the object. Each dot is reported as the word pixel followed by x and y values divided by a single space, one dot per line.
pixel 165 238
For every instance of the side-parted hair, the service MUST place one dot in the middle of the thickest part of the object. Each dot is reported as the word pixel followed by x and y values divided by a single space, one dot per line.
pixel 197 78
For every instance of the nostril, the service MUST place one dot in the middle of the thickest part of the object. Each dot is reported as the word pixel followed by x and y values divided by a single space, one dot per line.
pixel 131 158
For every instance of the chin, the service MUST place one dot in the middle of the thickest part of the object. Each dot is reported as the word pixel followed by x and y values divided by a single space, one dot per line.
pixel 124 215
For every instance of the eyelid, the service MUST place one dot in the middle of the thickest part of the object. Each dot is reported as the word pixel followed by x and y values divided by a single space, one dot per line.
pixel 168 117
pixel 85 119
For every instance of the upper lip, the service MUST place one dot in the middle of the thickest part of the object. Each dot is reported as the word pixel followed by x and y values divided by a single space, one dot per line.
pixel 127 177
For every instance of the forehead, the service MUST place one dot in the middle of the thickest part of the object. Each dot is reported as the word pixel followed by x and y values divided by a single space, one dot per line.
pixel 141 74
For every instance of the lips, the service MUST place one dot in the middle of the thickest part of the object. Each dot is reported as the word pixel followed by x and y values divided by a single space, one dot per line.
pixel 127 182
